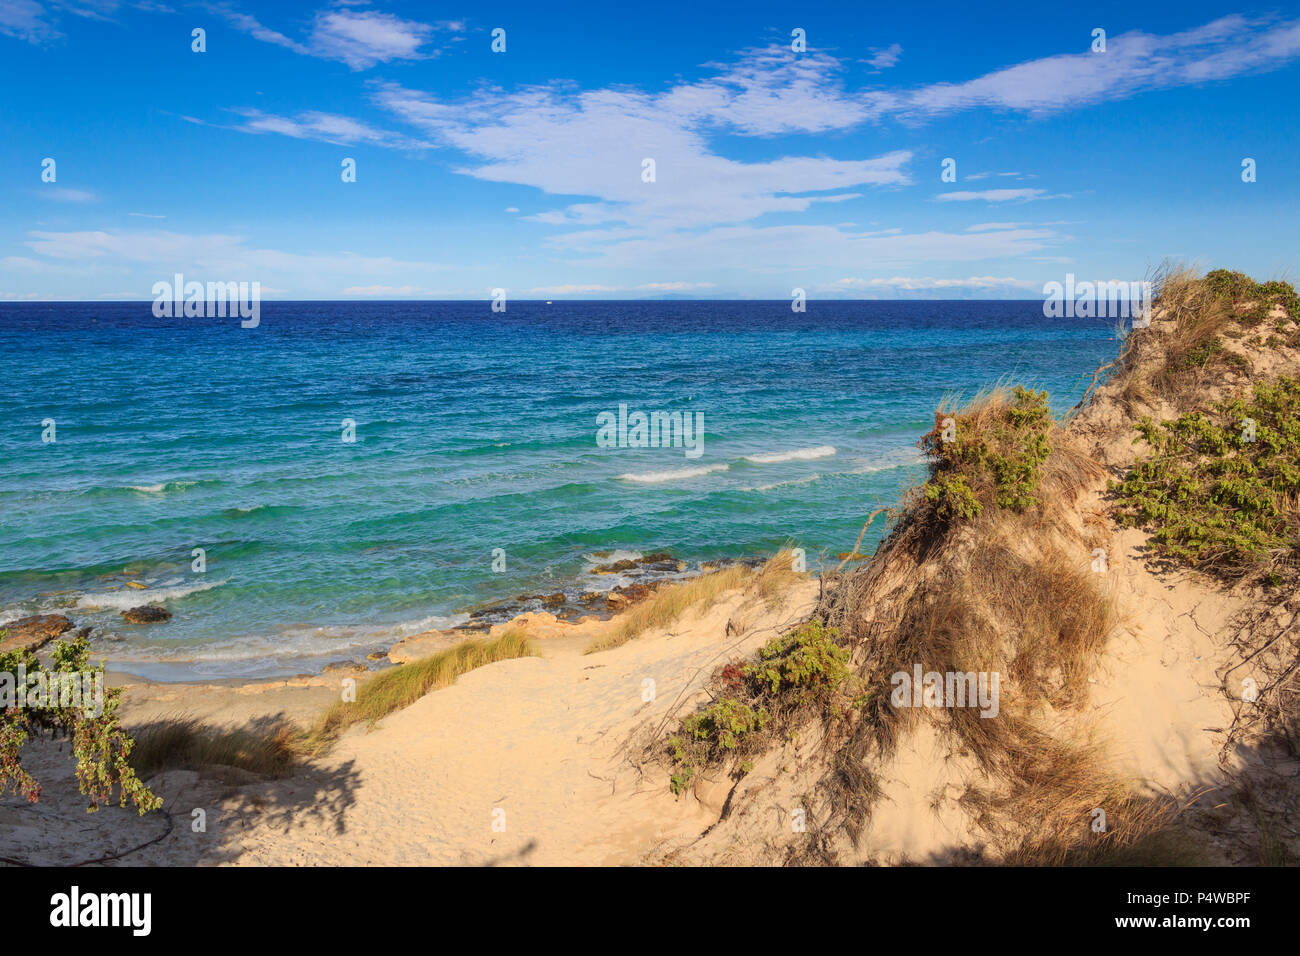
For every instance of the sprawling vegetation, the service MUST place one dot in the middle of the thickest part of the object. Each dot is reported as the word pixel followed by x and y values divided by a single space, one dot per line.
pixel 989 454
pixel 804 669
pixel 101 746
pixel 268 747
pixel 1253 300
pixel 1219 489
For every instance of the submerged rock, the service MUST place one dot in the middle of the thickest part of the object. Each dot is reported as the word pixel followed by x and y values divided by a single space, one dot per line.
pixel 148 614
pixel 30 633
pixel 625 565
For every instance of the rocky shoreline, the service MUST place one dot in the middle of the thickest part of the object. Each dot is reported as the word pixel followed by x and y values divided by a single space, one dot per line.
pixel 541 614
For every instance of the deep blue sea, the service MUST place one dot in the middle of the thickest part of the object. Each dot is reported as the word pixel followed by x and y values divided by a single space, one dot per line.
pixel 474 431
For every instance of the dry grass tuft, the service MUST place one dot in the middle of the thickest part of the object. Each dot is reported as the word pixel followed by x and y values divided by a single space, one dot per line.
pixel 397 688
pixel 266 746
pixel 1182 350
pixel 1003 586
pixel 669 603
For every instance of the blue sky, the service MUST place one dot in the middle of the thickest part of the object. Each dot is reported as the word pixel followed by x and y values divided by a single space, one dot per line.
pixel 522 170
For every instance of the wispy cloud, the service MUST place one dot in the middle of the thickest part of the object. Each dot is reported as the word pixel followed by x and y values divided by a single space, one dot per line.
pixel 594 288
pixel 359 38
pixel 1133 63
pixel 325 127
pixel 594 143
pixel 27 20
pixel 921 286
pixel 64 194
pixel 997 195
pixel 883 59
pixel 219 256
pixel 38 22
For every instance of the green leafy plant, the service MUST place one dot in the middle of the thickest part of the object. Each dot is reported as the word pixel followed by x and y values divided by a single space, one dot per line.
pixel 1236 287
pixel 806 666
pixel 1219 488
pixel 802 661
pixel 100 744
pixel 990 453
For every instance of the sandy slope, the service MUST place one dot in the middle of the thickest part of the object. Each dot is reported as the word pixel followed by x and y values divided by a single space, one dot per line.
pixel 542 739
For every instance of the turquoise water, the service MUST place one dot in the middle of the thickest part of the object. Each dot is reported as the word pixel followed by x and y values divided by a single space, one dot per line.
pixel 474 431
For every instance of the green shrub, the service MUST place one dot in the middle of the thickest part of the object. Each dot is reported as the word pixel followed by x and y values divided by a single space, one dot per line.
pixel 1235 287
pixel 1214 498
pixel 805 659
pixel 101 746
pixel 803 667
pixel 994 458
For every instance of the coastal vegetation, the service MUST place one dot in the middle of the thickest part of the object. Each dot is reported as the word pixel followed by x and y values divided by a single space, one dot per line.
pixel 268 747
pixel 1220 488
pixel 101 746
pixel 990 566
pixel 668 603
pixel 396 688
pixel 274 747
pixel 802 670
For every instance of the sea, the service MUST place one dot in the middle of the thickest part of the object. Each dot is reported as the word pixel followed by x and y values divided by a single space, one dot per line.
pixel 348 473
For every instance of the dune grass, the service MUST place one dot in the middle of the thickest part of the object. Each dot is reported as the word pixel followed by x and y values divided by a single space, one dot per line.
pixel 670 602
pixel 399 687
pixel 1178 356
pixel 266 747
pixel 273 746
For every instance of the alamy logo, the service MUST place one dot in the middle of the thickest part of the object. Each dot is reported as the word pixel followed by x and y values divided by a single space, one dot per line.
pixel 103 909
pixel 58 690
pixel 192 300
pixel 950 689
pixel 1098 300
pixel 656 430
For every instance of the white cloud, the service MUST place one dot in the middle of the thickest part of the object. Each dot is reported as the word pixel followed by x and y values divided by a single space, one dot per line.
pixel 26 20
pixel 217 256
pixel 908 286
pixel 1133 63
pixel 588 288
pixel 593 143
pixel 359 38
pixel 588 147
pixel 62 194
pixel 362 38
pixel 885 58
pixel 572 289
pixel 674 286
pixel 383 291
pixel 996 195
pixel 325 127
pixel 985 226
pixel 749 249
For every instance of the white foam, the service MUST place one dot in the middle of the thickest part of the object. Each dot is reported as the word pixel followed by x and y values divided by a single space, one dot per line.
pixel 655 477
pixel 131 597
pixel 903 459
pixel 799 454
pixel 782 484
pixel 162 486
pixel 262 653
pixel 618 554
